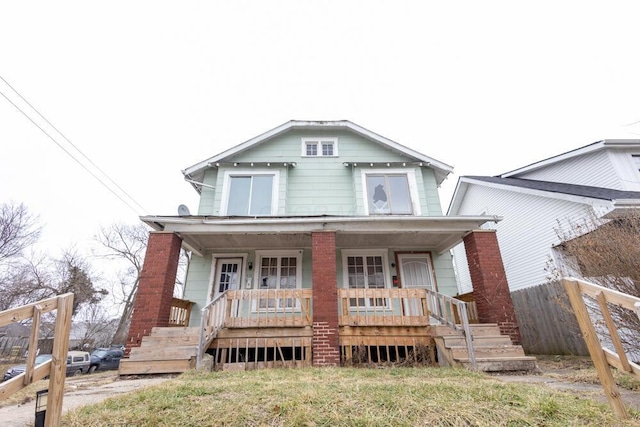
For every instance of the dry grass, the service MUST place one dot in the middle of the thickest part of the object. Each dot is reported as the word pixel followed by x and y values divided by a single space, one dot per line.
pixel 344 397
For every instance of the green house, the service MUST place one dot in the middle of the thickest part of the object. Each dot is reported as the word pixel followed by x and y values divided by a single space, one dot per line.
pixel 316 243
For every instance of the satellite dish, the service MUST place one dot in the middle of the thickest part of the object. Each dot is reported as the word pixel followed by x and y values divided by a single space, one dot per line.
pixel 183 210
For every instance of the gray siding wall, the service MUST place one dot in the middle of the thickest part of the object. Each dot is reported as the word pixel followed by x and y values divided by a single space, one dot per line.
pixel 626 168
pixel 594 169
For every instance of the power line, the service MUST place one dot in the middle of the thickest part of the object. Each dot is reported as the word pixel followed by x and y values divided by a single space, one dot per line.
pixel 69 153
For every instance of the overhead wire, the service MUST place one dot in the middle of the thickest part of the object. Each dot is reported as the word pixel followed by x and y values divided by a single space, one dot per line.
pixel 99 179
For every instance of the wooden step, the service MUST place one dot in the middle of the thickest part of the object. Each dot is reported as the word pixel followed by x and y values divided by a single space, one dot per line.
pixel 158 331
pixel 163 353
pixel 493 351
pixel 478 341
pixel 479 329
pixel 169 341
pixel 145 367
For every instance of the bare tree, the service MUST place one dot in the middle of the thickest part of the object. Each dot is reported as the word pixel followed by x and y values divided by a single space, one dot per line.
pixel 24 281
pixel 38 277
pixel 18 230
pixel 126 243
pixel 607 253
pixel 95 326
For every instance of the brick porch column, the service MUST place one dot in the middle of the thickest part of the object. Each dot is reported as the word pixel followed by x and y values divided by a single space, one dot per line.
pixel 326 345
pixel 155 290
pixel 490 287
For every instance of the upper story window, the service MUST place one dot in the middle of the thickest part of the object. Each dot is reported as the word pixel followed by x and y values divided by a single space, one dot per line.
pixel 250 193
pixel 391 192
pixel 319 147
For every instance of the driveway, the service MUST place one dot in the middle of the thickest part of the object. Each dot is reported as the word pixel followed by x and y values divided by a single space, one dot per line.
pixel 80 391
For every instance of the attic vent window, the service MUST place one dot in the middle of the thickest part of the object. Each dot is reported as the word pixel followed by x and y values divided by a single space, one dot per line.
pixel 319 147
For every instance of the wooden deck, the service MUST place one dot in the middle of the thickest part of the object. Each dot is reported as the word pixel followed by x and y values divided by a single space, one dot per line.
pixel 253 329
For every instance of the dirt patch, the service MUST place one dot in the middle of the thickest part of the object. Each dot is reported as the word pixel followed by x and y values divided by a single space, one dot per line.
pixel 575 374
pixel 80 391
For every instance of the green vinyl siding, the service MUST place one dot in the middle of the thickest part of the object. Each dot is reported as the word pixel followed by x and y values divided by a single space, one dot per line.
pixel 200 276
pixel 197 286
pixel 445 276
pixel 319 185
pixel 208 194
pixel 430 188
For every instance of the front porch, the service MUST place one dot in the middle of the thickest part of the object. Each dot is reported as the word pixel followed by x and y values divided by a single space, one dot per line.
pixel 254 329
pixel 305 294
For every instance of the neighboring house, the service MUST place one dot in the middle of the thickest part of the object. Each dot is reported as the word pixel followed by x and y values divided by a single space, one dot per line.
pixel 538 203
pixel 317 242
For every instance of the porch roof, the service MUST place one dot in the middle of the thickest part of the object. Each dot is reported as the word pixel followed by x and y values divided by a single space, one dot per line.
pixel 205 234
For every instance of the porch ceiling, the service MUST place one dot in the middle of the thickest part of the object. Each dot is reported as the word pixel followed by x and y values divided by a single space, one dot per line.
pixel 213 234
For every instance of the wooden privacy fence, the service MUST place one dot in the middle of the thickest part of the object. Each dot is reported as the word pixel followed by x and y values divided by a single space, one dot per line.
pixel 603 358
pixel 54 368
pixel 557 332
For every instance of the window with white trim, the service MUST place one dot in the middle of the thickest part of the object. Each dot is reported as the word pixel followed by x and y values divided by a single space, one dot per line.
pixel 319 147
pixel 366 269
pixel 278 270
pixel 250 193
pixel 636 161
pixel 390 192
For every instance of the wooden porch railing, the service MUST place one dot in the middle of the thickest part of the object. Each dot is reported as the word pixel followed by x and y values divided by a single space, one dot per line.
pixel 601 356
pixel 255 308
pixel 269 308
pixel 211 321
pixel 452 312
pixel 383 307
pixel 404 307
pixel 54 368
pixel 472 308
pixel 180 312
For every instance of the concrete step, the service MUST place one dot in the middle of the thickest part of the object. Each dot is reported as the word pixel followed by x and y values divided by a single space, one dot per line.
pixel 459 352
pixel 503 364
pixel 478 341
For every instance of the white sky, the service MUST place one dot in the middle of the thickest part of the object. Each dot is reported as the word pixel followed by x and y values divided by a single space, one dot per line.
pixel 148 88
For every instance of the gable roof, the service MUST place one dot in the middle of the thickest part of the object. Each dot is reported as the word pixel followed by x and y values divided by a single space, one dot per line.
pixel 442 170
pixel 596 146
pixel 557 188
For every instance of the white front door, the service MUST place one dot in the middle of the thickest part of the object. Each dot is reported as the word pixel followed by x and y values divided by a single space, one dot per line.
pixel 228 272
pixel 415 272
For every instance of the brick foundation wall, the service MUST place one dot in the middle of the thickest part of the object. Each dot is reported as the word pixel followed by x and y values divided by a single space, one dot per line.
pixel 490 288
pixel 155 290
pixel 326 343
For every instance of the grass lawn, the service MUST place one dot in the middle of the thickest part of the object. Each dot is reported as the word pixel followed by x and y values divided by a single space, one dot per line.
pixel 345 397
